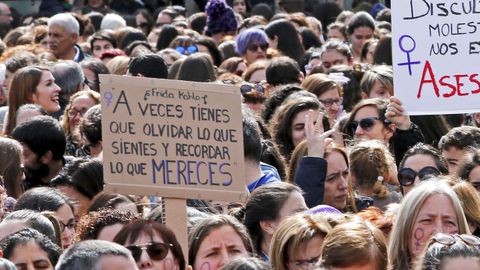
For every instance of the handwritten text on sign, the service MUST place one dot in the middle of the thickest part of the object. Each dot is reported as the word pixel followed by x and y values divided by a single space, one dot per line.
pixel 436 49
pixel 171 138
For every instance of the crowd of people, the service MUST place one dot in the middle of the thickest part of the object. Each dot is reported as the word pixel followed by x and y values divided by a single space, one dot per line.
pixel 338 175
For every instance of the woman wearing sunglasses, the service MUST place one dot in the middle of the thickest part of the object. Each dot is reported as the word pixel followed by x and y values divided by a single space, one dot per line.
pixel 252 45
pixel 152 244
pixel 451 251
pixel 431 207
pixel 386 121
pixel 419 163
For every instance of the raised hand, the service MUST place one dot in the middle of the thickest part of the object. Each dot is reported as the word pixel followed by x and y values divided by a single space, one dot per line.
pixel 317 140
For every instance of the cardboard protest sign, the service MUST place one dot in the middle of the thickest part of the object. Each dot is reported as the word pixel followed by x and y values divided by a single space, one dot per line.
pixel 173 139
pixel 436 49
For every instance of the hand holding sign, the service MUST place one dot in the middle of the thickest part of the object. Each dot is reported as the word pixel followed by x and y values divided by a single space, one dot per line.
pixel 397 114
pixel 436 45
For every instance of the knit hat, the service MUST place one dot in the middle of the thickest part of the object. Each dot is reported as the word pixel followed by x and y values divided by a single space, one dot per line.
pixel 220 17
pixel 376 9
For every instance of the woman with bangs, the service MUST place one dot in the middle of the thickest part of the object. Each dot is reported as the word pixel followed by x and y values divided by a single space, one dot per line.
pixel 329 94
pixel 153 245
pixel 430 208
pixel 252 45
pixel 377 82
pixel 215 241
pixel 102 41
pixel 297 243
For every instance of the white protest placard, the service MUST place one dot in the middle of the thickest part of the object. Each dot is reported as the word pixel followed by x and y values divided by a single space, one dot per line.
pixel 173 139
pixel 436 54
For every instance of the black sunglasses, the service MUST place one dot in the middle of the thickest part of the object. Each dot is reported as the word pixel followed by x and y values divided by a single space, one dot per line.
pixel 254 47
pixel 365 123
pixel 406 176
pixel 156 251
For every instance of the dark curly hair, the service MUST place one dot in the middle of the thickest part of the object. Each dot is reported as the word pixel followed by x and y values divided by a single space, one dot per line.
pixel 22 237
pixel 90 225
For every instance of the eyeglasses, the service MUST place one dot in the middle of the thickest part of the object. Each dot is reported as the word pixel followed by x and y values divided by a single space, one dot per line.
pixel 247 88
pixel 365 123
pixel 70 225
pixel 329 102
pixel 74 112
pixel 254 47
pixel 190 49
pixel 451 239
pixel 156 251
pixel 406 176
pixel 304 264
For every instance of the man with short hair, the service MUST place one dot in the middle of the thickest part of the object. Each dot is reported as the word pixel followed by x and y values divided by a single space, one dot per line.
pixel 63 33
pixel 5 19
pixel 96 255
pixel 283 71
pixel 148 65
pixel 69 76
pixel 257 173
pixel 43 142
pixel 456 144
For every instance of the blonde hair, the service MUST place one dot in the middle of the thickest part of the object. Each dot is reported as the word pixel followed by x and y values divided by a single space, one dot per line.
pixel 470 200
pixel 118 65
pixel 369 160
pixel 295 232
pixel 398 250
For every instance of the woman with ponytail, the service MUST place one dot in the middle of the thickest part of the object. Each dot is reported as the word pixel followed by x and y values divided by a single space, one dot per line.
pixel 371 168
